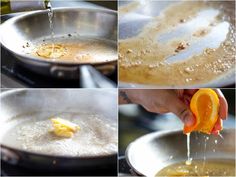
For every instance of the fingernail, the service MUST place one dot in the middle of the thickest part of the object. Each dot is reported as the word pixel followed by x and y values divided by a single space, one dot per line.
pixel 189 120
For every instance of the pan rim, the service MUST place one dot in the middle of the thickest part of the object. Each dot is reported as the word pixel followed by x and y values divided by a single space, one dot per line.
pixel 127 151
pixel 156 134
pixel 2 146
pixel 15 90
pixel 30 58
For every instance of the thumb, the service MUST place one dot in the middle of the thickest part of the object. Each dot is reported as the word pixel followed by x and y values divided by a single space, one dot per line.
pixel 180 109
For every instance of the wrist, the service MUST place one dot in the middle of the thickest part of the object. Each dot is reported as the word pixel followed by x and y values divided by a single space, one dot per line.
pixel 133 95
pixel 127 96
pixel 124 97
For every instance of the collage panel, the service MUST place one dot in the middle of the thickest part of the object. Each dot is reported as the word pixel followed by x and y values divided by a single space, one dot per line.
pixel 117 88
pixel 160 135
pixel 48 132
pixel 176 44
pixel 61 44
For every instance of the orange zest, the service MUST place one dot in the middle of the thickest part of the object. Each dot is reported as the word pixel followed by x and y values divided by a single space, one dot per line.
pixel 205 107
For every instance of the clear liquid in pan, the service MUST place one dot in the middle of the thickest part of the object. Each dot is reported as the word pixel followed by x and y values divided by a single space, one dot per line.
pixel 216 167
pixel 97 134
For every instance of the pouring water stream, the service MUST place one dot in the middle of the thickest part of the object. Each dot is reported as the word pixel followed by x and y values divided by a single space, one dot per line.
pixel 189 160
pixel 50 18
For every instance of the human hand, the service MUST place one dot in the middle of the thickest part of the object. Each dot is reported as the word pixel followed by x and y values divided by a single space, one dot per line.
pixel 175 101
pixel 162 101
pixel 186 95
pixel 223 112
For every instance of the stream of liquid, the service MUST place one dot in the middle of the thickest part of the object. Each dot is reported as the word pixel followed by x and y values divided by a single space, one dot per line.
pixel 204 154
pixel 50 18
pixel 200 167
pixel 72 47
pixel 189 160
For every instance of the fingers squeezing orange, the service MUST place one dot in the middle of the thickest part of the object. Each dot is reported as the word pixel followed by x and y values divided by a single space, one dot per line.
pixel 205 107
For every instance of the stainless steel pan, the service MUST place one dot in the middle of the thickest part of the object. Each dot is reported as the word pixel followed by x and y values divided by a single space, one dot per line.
pixel 22 102
pixel 150 153
pixel 141 13
pixel 29 27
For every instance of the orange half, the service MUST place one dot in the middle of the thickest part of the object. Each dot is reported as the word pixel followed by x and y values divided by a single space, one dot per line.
pixel 205 107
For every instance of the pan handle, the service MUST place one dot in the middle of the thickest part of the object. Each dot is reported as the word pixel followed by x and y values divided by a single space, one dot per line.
pixel 9 156
pixel 63 71
pixel 91 78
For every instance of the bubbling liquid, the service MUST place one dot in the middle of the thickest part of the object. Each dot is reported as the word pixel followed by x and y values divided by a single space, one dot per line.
pixel 97 135
pixel 203 53
pixel 78 50
pixel 213 167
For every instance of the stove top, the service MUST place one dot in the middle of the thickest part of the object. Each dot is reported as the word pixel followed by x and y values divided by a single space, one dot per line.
pixel 11 170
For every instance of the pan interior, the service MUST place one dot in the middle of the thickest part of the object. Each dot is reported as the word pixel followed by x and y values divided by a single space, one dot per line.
pixel 171 48
pixel 214 167
pixel 70 25
pixel 72 48
pixel 30 132
pixel 163 149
